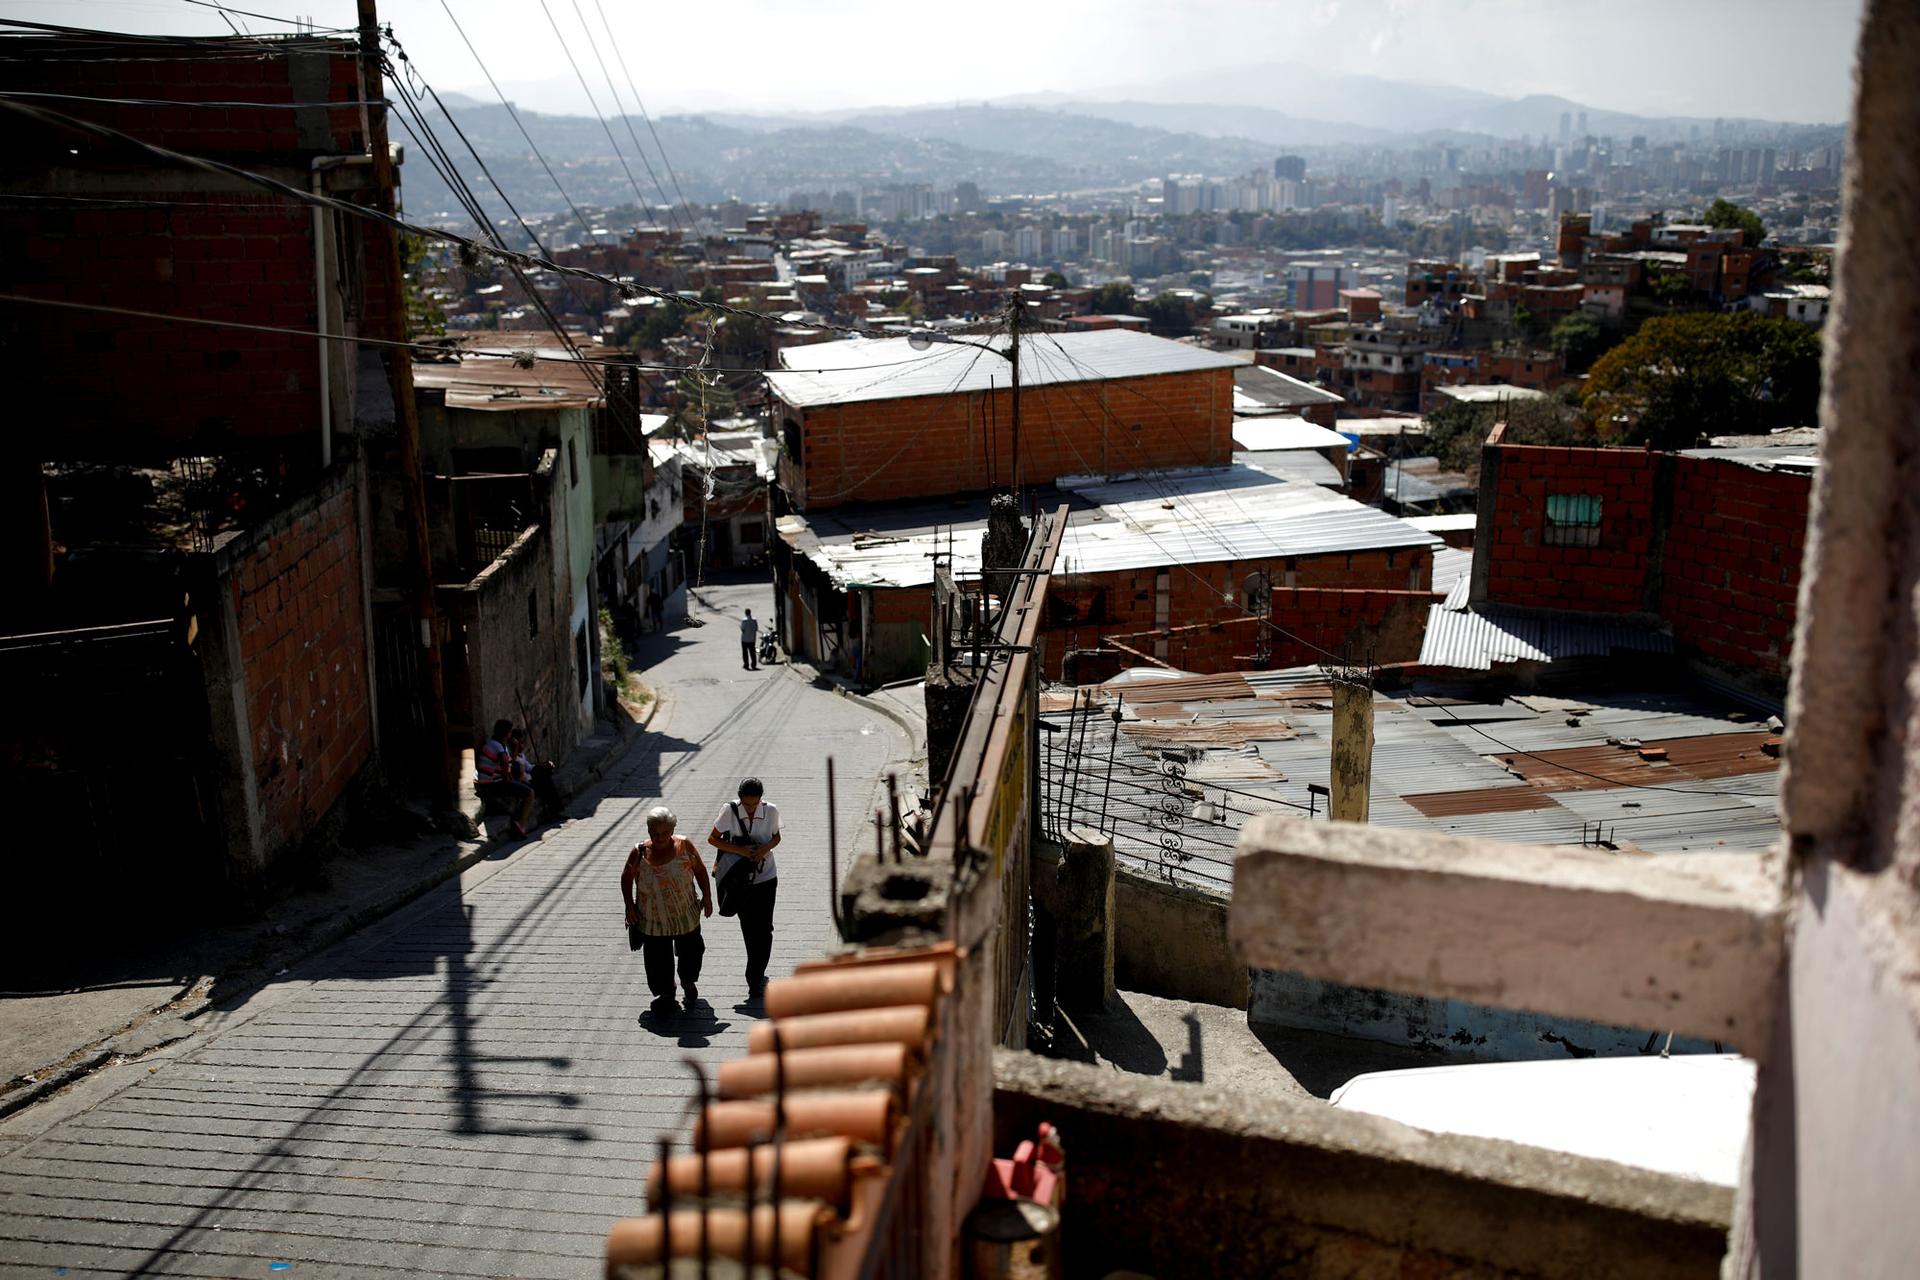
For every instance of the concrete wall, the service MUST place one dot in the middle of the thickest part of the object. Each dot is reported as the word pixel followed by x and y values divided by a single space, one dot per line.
pixel 561 440
pixel 513 652
pixel 1283 999
pixel 283 627
pixel 1172 941
pixel 1175 1180
pixel 853 452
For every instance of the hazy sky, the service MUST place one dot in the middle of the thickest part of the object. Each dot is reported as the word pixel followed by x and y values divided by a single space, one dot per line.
pixel 1777 59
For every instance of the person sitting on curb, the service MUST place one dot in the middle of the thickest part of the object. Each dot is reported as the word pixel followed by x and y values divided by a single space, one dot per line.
pixel 494 783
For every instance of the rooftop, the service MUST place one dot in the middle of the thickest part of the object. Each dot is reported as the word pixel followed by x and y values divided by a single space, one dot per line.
pixel 491 376
pixel 1538 768
pixel 891 369
pixel 1256 387
pixel 1285 432
pixel 1185 517
pixel 1489 393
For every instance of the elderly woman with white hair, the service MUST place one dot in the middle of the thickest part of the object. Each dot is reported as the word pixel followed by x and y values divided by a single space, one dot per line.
pixel 665 889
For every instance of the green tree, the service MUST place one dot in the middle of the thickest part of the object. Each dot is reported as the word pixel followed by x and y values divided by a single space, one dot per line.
pixel 1168 314
pixel 1114 299
pixel 420 265
pixel 1682 378
pixel 1726 214
pixel 650 330
pixel 1054 280
pixel 1455 431
pixel 1578 340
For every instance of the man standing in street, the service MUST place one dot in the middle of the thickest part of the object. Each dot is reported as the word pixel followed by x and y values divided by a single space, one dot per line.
pixel 750 828
pixel 749 642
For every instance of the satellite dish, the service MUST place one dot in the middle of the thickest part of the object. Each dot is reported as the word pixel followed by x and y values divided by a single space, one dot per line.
pixel 920 339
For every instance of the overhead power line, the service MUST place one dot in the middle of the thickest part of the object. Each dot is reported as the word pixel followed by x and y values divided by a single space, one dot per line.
pixel 640 201
pixel 621 58
pixel 627 288
pixel 521 355
pixel 625 119
pixel 586 228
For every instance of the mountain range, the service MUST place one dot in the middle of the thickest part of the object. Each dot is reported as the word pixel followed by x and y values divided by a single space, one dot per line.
pixel 1228 122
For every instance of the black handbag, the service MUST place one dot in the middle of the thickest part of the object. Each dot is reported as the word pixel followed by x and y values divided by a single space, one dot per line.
pixel 733 882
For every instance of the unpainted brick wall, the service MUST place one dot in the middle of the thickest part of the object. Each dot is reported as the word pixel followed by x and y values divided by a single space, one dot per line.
pixel 932 445
pixel 303 647
pixel 1311 623
pixel 1208 594
pixel 1609 578
pixel 1717 556
pixel 1731 579
pixel 165 240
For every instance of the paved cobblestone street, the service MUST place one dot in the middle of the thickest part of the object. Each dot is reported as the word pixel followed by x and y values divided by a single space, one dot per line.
pixel 464 1088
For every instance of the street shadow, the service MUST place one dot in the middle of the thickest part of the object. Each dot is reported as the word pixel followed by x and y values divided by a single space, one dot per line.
pixel 497 1092
pixel 689 1028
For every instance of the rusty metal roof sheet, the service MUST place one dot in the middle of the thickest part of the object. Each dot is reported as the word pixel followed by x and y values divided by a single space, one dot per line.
pixel 489 376
pixel 1685 760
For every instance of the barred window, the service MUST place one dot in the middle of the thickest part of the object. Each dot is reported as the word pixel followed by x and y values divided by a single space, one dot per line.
pixel 1573 520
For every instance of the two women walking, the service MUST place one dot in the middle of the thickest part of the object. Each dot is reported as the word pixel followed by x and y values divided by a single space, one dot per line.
pixel 666 890
pixel 659 886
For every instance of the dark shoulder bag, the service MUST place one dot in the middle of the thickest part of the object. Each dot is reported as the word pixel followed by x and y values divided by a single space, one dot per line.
pixel 734 880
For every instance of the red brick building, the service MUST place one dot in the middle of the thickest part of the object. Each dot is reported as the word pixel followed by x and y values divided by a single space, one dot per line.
pixel 200 485
pixel 879 420
pixel 1708 543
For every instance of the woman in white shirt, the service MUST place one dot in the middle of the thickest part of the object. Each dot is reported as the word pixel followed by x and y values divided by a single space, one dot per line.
pixel 750 828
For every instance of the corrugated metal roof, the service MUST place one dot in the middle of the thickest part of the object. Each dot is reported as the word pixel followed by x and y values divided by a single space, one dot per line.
pixel 1477 639
pixel 1284 431
pixel 1302 466
pixel 488 377
pixel 890 368
pixel 1261 385
pixel 1452 567
pixel 1238 513
pixel 1439 777
pixel 1190 517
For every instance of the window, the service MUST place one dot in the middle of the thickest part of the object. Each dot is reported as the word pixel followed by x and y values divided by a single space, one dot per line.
pixel 573 464
pixel 581 658
pixel 1573 520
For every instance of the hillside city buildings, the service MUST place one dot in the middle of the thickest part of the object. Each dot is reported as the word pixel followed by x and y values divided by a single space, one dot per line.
pixel 1319 621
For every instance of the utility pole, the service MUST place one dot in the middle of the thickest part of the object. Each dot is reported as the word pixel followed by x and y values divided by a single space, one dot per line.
pixel 1016 312
pixel 413 486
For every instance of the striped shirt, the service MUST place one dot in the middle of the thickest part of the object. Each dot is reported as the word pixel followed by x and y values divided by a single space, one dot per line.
pixel 490 763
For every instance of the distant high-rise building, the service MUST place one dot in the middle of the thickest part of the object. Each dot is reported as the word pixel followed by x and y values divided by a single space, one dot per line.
pixel 1583 124
pixel 1566 127
pixel 966 197
pixel 1768 161
pixel 1290 169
